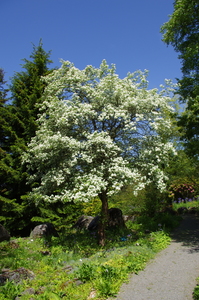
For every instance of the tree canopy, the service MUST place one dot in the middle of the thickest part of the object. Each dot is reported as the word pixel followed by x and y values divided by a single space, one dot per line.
pixel 97 133
pixel 182 32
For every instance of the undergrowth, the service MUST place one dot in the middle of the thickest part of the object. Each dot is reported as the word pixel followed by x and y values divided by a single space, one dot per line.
pixel 196 291
pixel 74 267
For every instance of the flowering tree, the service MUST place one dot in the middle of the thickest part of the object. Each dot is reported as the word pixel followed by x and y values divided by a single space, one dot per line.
pixel 97 134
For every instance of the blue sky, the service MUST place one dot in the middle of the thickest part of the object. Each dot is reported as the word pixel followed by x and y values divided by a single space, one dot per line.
pixel 124 32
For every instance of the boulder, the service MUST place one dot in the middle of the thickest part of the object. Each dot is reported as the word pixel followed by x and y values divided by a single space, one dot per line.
pixel 17 276
pixel 4 234
pixel 44 230
pixel 129 218
pixel 83 222
pixel 115 218
pixel 93 226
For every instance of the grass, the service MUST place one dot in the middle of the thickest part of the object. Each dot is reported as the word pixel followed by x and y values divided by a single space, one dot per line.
pixel 74 267
pixel 187 204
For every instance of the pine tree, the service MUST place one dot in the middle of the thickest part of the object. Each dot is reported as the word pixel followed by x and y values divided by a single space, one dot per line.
pixel 27 88
pixel 18 124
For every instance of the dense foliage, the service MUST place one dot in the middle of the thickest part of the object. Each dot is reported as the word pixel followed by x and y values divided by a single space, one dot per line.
pixel 18 116
pixel 182 32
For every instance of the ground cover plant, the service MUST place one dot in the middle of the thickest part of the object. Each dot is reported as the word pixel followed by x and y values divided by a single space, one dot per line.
pixel 73 266
pixel 186 204
pixel 196 291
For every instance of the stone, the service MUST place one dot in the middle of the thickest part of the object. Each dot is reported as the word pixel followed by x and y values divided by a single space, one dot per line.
pixel 28 291
pixel 129 218
pixel 44 230
pixel 115 218
pixel 93 226
pixel 4 234
pixel 17 275
pixel 83 222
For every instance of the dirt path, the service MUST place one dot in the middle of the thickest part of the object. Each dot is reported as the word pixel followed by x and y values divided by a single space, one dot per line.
pixel 172 274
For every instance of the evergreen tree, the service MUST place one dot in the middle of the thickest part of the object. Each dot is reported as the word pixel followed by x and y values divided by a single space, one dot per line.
pixel 7 139
pixel 18 125
pixel 8 174
pixel 27 89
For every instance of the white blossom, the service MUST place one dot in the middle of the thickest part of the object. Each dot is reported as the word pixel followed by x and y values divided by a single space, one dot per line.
pixel 98 133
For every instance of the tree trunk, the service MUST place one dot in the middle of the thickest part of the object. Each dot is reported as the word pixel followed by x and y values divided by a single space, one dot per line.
pixel 103 219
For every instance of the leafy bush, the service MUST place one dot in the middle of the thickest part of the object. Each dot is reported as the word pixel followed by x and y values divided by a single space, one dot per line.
pixel 86 272
pixel 196 293
pixel 182 190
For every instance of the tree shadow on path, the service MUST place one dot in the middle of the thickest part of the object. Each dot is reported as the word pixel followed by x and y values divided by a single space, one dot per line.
pixel 188 233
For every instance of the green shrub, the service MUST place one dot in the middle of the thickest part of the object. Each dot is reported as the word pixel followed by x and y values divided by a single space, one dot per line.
pixel 86 272
pixel 196 293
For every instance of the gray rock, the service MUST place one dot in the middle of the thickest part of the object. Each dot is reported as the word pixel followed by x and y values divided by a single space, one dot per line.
pixel 129 218
pixel 43 230
pixel 115 218
pixel 83 222
pixel 4 234
pixel 94 224
pixel 28 291
pixel 16 275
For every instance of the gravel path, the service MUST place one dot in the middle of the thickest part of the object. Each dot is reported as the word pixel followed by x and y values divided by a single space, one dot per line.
pixel 172 274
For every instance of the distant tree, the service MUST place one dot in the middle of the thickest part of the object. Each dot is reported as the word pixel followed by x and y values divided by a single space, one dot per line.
pixel 97 134
pixel 182 32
